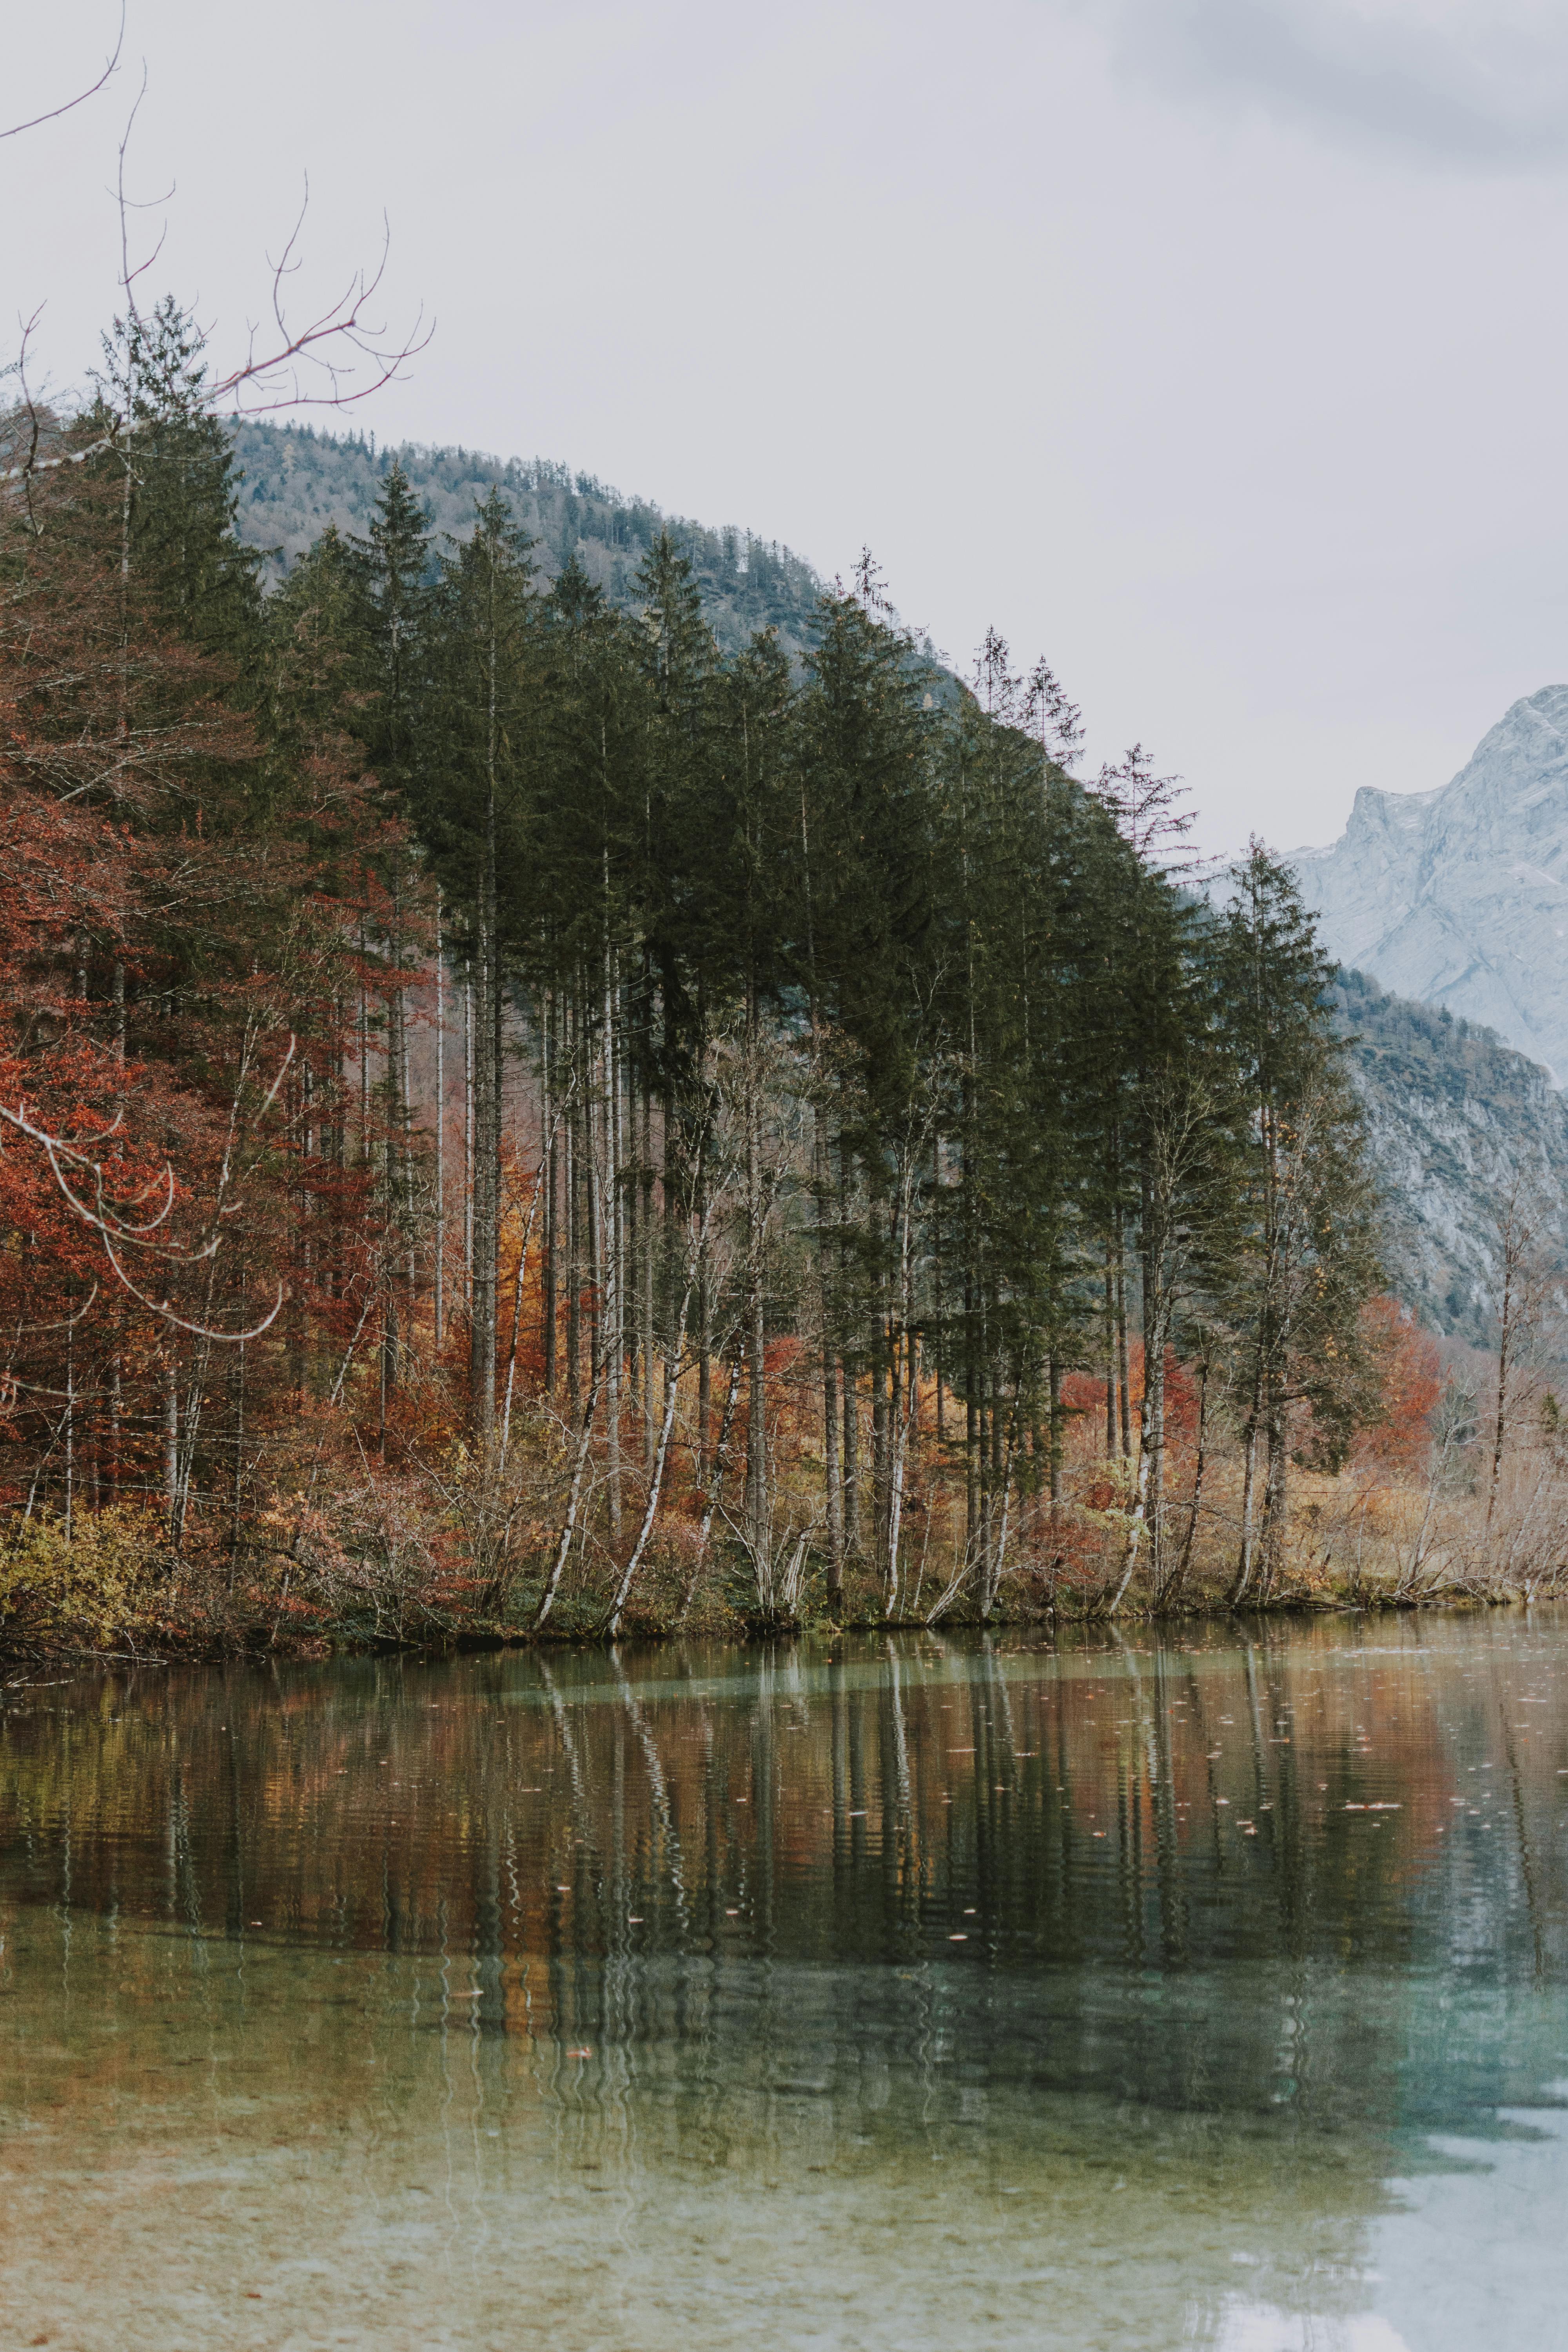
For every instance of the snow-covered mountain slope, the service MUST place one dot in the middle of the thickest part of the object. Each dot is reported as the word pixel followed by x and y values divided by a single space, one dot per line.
pixel 1459 896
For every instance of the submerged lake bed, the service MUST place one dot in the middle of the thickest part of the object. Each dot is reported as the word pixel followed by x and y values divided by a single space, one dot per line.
pixel 1209 1990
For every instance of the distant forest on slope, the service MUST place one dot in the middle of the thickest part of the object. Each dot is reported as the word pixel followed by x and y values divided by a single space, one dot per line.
pixel 295 482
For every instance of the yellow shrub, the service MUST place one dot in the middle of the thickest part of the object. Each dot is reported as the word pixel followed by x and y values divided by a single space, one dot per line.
pixel 84 1593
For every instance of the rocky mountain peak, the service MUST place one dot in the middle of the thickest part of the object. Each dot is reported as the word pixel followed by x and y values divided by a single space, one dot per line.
pixel 1459 896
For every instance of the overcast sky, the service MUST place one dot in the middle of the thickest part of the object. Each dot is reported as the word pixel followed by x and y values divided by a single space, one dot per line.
pixel 1214 348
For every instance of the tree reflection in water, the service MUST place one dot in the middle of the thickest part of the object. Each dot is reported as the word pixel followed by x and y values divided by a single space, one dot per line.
pixel 950 1990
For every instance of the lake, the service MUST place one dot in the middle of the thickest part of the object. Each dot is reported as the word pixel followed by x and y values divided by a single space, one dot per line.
pixel 1194 1989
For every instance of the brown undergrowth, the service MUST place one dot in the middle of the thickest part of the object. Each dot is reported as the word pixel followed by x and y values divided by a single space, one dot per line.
pixel 430 1554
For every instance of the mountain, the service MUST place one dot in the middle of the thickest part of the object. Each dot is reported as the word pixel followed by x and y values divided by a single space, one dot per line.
pixel 1459 896
pixel 296 481
pixel 1455 1119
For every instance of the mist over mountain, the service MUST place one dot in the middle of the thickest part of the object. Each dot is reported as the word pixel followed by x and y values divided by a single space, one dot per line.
pixel 1459 896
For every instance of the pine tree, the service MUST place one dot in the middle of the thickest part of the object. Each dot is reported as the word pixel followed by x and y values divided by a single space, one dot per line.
pixel 1296 1262
pixel 475 813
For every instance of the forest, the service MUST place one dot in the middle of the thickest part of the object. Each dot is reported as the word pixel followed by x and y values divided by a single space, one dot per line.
pixel 296 481
pixel 518 1120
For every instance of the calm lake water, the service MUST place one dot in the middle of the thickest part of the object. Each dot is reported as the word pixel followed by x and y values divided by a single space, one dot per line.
pixel 905 1993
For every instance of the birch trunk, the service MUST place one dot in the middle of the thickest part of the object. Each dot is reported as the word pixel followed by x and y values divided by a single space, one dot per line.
pixel 574 1501
pixel 656 1481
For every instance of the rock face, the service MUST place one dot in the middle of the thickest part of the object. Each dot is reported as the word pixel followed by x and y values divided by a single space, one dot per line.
pixel 1459 896
pixel 1455 1122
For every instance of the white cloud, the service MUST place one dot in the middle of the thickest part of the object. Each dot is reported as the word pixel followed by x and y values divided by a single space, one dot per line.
pixel 1472 84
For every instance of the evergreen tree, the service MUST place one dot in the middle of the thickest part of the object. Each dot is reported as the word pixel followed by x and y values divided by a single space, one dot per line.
pixel 474 807
pixel 1296 1261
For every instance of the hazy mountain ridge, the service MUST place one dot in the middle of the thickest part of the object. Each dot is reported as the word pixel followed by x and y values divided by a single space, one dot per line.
pixel 297 482
pixel 1453 1116
pixel 1459 896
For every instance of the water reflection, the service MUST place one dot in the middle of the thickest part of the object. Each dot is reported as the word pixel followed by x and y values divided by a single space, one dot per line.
pixel 892 1993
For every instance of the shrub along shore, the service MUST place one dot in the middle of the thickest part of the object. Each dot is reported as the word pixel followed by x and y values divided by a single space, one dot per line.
pixel 1370 1537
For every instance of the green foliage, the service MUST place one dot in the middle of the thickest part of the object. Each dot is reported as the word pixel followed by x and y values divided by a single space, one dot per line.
pixel 874 1050
pixel 177 464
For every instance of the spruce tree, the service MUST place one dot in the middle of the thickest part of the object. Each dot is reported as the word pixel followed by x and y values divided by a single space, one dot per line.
pixel 475 810
pixel 1296 1260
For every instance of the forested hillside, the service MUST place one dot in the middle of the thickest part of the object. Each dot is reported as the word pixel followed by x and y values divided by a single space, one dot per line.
pixel 517 1114
pixel 293 483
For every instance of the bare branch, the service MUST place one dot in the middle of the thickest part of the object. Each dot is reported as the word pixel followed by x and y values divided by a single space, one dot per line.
pixel 314 365
pixel 54 112
pixel 161 1307
pixel 128 205
pixel 271 380
pixel 116 1231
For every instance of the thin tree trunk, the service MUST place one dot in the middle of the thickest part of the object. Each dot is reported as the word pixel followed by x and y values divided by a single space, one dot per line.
pixel 573 1500
pixel 440 1269
pixel 1110 1352
pixel 715 1485
pixel 1248 1485
pixel 1182 1565
pixel 171 1454
pixel 469 1137
pixel 647 1231
pixel 572 1176
pixel 1152 1441
pixel 552 1121
pixel 70 1422
pixel 517 1304
pixel 1135 1527
pixel 1054 1376
pixel 833 1472
pixel 1274 1490
pixel 656 1481
pixel 1505 1349
pixel 835 1499
pixel 882 1375
pixel 486 1194
pixel 612 1337
pixel 1123 1379
pixel 756 1365
pixel 238 1454
pixel 993 1565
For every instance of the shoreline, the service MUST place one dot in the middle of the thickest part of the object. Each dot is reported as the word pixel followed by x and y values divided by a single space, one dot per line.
pixel 477 1639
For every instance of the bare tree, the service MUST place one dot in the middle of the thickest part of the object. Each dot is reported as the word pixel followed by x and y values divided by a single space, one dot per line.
pixel 1524 1283
pixel 132 1225
pixel 335 356
pixel 53 113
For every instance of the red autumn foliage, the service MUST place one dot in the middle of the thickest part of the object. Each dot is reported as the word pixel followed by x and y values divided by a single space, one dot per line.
pixel 1410 1378
pixel 180 982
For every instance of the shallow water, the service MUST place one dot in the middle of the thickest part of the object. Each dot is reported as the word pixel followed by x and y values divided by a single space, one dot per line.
pixel 885 1994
